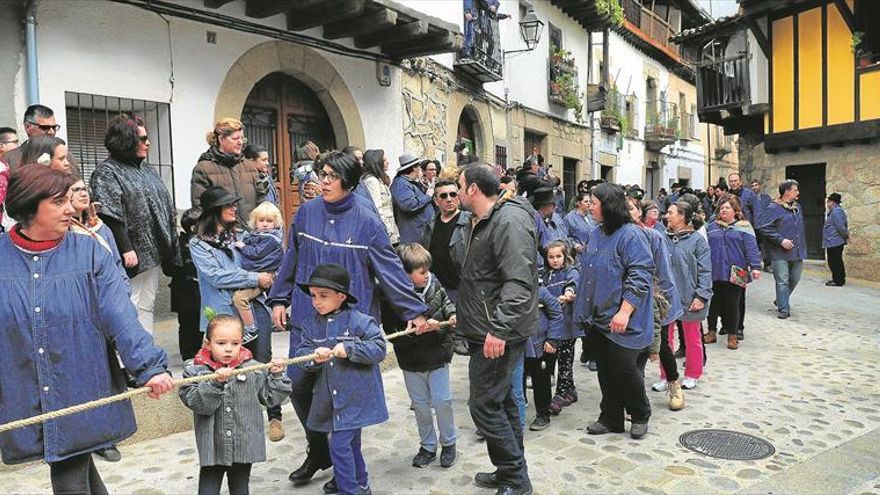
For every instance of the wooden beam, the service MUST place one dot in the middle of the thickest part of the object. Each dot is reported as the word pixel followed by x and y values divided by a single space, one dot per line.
pixel 261 9
pixel 400 32
pixel 216 4
pixel 366 24
pixel 324 12
pixel 760 35
pixel 847 14
pixel 448 42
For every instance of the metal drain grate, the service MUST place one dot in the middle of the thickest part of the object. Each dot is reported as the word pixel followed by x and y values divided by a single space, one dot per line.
pixel 726 444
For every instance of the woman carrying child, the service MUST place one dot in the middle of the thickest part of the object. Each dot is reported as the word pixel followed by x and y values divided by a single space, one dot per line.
pixel 228 420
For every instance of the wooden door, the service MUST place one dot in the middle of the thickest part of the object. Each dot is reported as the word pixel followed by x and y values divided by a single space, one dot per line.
pixel 281 114
pixel 811 184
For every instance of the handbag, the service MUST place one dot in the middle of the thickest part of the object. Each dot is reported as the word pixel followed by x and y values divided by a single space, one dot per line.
pixel 739 276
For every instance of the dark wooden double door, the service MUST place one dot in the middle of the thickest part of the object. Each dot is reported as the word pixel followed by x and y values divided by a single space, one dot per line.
pixel 281 114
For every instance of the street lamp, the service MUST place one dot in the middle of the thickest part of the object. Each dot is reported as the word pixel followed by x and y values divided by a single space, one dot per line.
pixel 530 28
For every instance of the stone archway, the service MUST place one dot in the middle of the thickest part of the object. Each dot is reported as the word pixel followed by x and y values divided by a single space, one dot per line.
pixel 304 64
pixel 478 114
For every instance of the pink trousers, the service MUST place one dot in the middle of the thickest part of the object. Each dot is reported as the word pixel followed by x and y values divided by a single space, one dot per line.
pixel 693 348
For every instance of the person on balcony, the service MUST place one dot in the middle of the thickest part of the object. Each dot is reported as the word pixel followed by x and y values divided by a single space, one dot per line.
pixel 477 15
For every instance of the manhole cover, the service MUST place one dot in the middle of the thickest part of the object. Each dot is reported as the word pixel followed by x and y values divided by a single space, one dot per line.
pixel 725 444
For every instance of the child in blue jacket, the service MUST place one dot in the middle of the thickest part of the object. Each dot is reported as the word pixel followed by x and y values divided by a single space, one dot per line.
pixel 541 355
pixel 261 251
pixel 348 392
pixel 561 278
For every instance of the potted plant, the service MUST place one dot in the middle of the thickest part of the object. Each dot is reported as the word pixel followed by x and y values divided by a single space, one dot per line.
pixel 863 58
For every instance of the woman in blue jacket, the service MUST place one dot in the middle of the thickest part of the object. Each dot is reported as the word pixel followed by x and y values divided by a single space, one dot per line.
pixel 692 272
pixel 65 310
pixel 615 304
pixel 344 228
pixel 732 244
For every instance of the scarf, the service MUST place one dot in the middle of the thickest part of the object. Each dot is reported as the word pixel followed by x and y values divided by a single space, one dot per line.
pixel 739 225
pixel 787 206
pixel 678 235
pixel 224 240
pixel 29 245
pixel 204 357
pixel 215 155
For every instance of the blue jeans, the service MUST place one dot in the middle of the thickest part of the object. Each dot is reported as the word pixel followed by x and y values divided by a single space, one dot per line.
pixel 262 346
pixel 787 274
pixel 426 390
pixel 349 468
pixel 519 394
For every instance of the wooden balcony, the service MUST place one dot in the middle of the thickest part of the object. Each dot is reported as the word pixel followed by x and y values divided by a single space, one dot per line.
pixel 723 85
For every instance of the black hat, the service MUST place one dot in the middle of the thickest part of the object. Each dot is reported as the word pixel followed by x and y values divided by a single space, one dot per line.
pixel 542 196
pixel 330 276
pixel 216 196
pixel 835 197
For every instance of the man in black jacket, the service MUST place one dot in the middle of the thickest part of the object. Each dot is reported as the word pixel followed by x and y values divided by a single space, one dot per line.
pixel 497 311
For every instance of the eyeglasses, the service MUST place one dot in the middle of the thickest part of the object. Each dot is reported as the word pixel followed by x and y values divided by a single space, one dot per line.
pixel 45 128
pixel 333 176
pixel 144 139
pixel 77 190
pixel 451 194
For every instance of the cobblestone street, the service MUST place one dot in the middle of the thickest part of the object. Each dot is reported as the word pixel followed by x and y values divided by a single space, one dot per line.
pixel 808 385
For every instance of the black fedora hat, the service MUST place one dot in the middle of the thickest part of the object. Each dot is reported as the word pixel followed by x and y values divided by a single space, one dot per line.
pixel 216 196
pixel 835 197
pixel 331 276
pixel 542 196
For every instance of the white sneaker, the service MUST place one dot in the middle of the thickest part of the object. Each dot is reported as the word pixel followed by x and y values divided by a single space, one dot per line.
pixel 660 386
pixel 689 383
pixel 528 382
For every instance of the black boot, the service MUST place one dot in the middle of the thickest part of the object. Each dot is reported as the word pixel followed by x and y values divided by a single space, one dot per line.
pixel 310 466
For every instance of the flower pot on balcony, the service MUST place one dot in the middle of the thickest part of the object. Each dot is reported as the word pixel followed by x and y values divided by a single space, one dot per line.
pixel 609 123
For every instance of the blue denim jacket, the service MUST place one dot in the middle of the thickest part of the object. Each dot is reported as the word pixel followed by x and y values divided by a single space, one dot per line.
pixel 778 223
pixel 413 209
pixel 579 227
pixel 615 268
pixel 691 265
pixel 63 314
pixel 549 323
pixel 348 393
pixel 732 245
pixel 350 233
pixel 835 232
pixel 556 282
pixel 220 275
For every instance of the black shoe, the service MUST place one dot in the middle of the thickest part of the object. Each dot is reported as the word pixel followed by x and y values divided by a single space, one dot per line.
pixel 540 423
pixel 423 458
pixel 110 454
pixel 599 428
pixel 480 436
pixel 592 366
pixel 308 469
pixel 487 480
pixel 447 456
pixel 832 283
pixel 525 489
pixel 638 430
pixel 782 315
pixel 740 335
pixel 461 348
pixel 330 487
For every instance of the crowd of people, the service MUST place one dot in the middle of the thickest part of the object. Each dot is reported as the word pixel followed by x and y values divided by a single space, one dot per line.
pixel 490 264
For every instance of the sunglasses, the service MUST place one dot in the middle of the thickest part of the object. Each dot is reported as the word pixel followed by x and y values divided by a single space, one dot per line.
pixel 45 128
pixel 452 194
pixel 144 139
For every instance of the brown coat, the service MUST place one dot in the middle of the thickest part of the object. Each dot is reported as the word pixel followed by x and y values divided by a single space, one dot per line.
pixel 238 179
pixel 13 159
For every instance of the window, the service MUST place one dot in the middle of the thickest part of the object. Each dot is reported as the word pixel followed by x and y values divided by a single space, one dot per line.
pixel 501 156
pixel 555 38
pixel 89 115
pixel 866 12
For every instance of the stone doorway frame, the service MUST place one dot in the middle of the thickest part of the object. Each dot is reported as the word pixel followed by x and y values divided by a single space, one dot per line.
pixel 302 63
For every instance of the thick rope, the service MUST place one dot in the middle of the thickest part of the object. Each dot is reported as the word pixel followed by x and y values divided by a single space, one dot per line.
pixel 42 418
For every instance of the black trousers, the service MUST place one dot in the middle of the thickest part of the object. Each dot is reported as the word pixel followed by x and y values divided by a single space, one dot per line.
pixel 835 264
pixel 726 303
pixel 494 411
pixel 541 369
pixel 238 479
pixel 189 336
pixel 740 323
pixel 621 381
pixel 667 357
pixel 76 475
pixel 586 349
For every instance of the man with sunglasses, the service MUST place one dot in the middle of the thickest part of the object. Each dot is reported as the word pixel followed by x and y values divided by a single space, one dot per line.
pixel 39 120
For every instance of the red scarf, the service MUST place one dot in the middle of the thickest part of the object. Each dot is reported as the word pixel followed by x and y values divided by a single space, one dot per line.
pixel 24 243
pixel 204 357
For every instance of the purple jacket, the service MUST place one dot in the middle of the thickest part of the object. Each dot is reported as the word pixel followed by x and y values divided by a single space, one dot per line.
pixel 732 245
pixel 779 223
pixel 550 323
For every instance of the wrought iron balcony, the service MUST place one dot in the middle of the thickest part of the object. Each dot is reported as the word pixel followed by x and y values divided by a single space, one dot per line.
pixel 661 124
pixel 481 57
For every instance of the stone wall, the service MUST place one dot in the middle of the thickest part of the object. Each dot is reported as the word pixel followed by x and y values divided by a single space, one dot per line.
pixel 425 106
pixel 854 172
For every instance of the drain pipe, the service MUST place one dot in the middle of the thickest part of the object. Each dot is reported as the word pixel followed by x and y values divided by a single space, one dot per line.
pixel 30 41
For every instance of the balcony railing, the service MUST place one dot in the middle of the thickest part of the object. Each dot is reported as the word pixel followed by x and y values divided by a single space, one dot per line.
pixel 662 124
pixel 481 57
pixel 650 24
pixel 723 84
